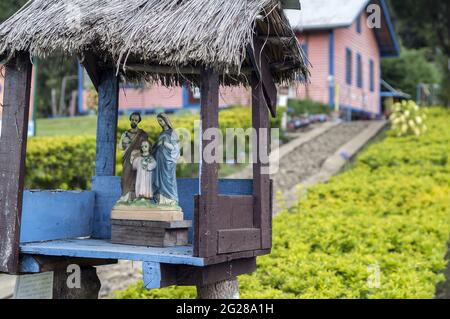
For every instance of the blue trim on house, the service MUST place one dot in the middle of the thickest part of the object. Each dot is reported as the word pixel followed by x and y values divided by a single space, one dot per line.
pixel 186 103
pixel 371 75
pixel 348 66
pixel 80 89
pixel 358 24
pixel 304 47
pixel 391 94
pixel 359 71
pixel 331 68
pixel 390 28
pixel 346 108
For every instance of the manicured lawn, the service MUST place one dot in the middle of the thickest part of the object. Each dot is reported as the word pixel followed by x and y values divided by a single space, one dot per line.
pixel 379 230
pixel 82 125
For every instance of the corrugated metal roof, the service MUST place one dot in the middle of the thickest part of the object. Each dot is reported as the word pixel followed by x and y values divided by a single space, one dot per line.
pixel 332 14
pixel 321 14
pixel 291 4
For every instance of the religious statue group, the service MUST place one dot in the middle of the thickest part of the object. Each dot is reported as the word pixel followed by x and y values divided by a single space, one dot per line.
pixel 149 171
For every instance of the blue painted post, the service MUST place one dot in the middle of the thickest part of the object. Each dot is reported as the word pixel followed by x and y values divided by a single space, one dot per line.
pixel 80 89
pixel 108 106
pixel 331 68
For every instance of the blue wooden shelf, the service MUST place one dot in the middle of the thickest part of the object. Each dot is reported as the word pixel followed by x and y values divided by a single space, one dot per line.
pixel 103 249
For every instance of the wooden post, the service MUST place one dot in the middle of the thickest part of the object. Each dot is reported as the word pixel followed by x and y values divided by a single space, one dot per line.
pixel 108 105
pixel 261 178
pixel 227 289
pixel 206 237
pixel 89 284
pixel 13 142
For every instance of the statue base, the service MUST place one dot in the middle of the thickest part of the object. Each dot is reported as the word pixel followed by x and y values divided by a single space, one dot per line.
pixel 149 226
pixel 166 214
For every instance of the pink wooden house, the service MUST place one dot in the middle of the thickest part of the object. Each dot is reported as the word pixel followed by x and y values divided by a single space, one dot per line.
pixel 2 89
pixel 344 51
pixel 345 41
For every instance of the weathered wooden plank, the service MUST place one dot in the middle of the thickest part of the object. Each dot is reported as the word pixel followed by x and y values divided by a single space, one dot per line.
pixel 149 236
pixel 175 70
pixel 163 275
pixel 89 284
pixel 90 63
pixel 38 264
pixel 107 191
pixel 236 240
pixel 206 242
pixel 16 104
pixel 108 108
pixel 228 257
pixel 102 249
pixel 261 177
pixel 166 225
pixel 262 67
pixel 50 215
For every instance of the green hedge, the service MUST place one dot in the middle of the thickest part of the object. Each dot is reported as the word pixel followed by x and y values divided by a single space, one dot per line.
pixel 390 211
pixel 307 107
pixel 60 162
pixel 68 162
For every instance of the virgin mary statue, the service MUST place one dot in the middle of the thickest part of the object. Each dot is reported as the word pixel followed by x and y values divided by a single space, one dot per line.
pixel 166 152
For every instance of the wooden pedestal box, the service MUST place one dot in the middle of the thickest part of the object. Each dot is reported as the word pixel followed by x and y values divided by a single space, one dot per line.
pixel 150 233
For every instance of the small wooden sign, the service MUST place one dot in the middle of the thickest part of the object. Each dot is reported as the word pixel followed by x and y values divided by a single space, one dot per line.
pixel 36 286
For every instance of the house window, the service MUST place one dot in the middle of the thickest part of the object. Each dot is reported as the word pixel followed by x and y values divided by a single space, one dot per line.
pixel 372 75
pixel 358 25
pixel 348 66
pixel 304 48
pixel 359 71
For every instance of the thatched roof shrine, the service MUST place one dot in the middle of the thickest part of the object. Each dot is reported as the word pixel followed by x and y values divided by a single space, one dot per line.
pixel 180 34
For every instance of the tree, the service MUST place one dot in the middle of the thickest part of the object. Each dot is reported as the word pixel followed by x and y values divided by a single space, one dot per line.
pixel 410 69
pixel 426 24
pixel 51 70
pixel 8 7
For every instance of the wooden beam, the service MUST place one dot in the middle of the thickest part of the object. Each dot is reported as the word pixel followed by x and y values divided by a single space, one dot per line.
pixel 261 178
pixel 206 236
pixel 90 63
pixel 163 69
pixel 13 141
pixel 163 275
pixel 277 40
pixel 262 69
pixel 108 108
pixel 40 263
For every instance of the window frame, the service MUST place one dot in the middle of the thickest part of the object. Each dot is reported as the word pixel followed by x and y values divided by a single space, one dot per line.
pixel 359 71
pixel 348 66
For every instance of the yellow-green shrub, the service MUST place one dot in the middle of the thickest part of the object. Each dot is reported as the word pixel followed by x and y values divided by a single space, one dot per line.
pixel 60 162
pixel 407 118
pixel 390 212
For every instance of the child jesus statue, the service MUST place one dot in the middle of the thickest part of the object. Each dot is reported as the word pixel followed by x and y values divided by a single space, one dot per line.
pixel 144 163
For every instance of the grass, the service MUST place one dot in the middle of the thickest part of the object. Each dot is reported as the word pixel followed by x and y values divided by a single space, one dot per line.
pixel 74 126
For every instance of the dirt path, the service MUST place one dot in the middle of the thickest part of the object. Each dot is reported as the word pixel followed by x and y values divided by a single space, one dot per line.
pixel 306 160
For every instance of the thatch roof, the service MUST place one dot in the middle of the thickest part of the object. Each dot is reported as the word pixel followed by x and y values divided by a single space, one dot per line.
pixel 214 33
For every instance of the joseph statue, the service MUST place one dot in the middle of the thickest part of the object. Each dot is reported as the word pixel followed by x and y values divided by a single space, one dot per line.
pixel 130 141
